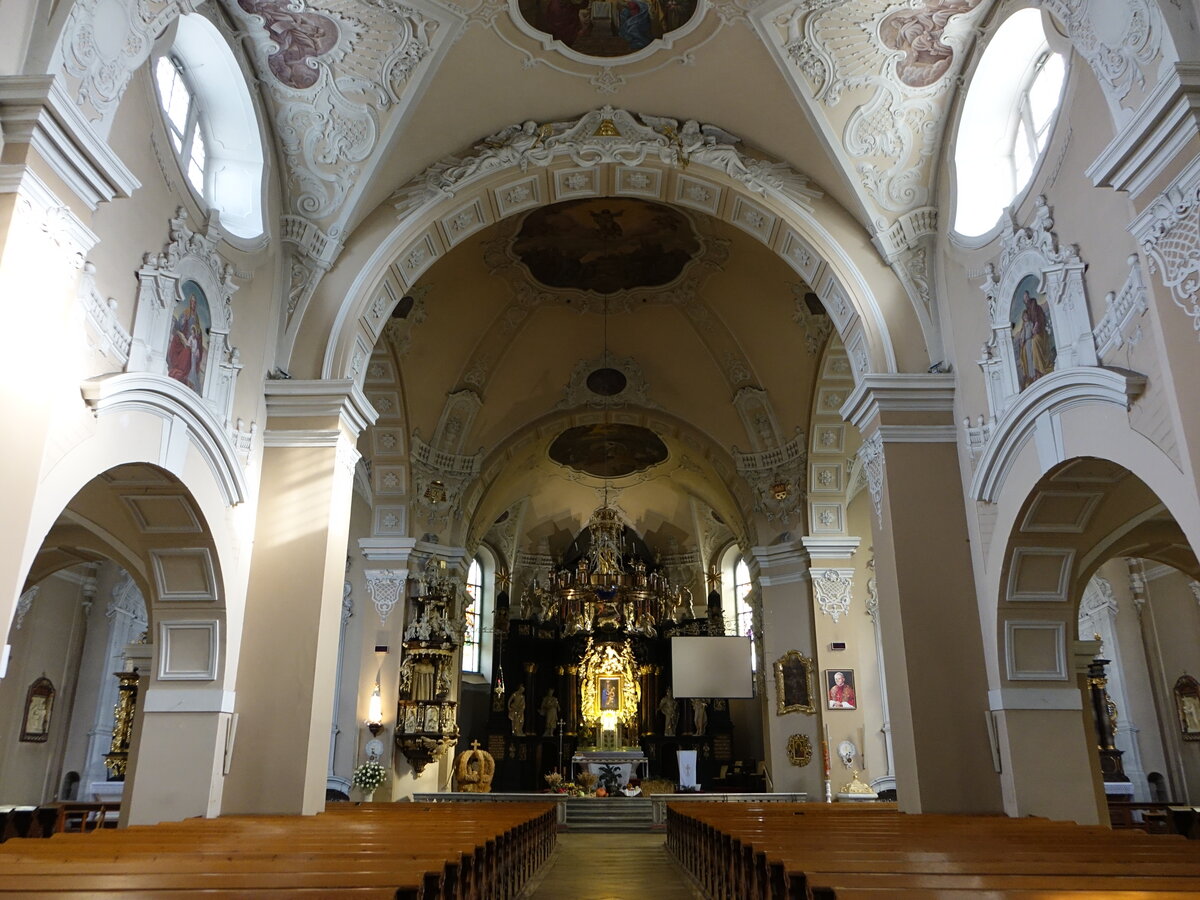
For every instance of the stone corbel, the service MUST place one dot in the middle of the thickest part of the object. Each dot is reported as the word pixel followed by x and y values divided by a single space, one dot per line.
pixel 908 247
pixel 386 587
pixel 313 253
pixel 833 589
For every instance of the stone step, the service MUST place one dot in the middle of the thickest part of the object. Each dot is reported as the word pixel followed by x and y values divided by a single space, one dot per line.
pixel 605 814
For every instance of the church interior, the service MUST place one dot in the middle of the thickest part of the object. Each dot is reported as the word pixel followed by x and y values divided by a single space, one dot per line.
pixel 392 381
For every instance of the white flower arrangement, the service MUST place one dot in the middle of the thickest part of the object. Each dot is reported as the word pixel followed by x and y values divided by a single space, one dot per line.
pixel 369 776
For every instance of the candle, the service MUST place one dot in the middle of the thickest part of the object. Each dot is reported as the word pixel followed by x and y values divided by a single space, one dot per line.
pixel 862 750
pixel 825 747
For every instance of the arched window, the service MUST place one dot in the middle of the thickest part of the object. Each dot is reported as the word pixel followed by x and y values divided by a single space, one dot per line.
pixel 474 614
pixel 212 125
pixel 1006 120
pixel 182 113
pixel 743 615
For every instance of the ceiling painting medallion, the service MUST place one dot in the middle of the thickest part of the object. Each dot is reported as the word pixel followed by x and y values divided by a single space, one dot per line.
pixel 605 245
pixel 606 28
pixel 608 450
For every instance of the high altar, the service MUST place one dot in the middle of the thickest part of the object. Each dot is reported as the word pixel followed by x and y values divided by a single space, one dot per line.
pixel 585 666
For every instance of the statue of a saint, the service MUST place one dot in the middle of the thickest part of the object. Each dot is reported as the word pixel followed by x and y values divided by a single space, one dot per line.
pixel 670 710
pixel 549 709
pixel 516 711
pixel 700 714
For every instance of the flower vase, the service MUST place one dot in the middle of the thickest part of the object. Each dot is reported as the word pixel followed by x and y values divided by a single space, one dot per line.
pixel 368 796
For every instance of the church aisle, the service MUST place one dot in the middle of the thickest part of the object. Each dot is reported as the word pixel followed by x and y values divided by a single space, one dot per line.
pixel 610 867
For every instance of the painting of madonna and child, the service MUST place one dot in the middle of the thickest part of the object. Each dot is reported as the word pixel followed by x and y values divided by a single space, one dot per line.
pixel 1032 334
pixel 607 27
pixel 188 345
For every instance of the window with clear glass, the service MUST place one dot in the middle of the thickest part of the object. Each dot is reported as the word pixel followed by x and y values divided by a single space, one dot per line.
pixel 1007 116
pixel 470 642
pixel 182 114
pixel 743 615
pixel 1034 114
pixel 212 124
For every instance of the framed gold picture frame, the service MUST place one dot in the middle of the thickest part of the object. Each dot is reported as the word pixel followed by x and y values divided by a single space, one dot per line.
pixel 1187 704
pixel 39 703
pixel 794 690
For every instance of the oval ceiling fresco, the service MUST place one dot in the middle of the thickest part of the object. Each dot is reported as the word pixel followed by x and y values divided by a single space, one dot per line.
pixel 607 28
pixel 608 450
pixel 606 244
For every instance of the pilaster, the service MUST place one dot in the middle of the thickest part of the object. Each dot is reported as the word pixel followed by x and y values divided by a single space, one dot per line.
pixel 781 571
pixel 929 621
pixel 294 597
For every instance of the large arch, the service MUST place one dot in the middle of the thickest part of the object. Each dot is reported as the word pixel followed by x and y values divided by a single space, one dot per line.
pixel 334 334
pixel 145 519
pixel 1080 514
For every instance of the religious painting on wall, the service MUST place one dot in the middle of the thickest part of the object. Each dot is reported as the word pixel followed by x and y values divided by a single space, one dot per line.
pixel 605 245
pixel 794 683
pixel 607 28
pixel 39 703
pixel 1187 702
pixel 839 689
pixel 188 346
pixel 610 692
pixel 1032 334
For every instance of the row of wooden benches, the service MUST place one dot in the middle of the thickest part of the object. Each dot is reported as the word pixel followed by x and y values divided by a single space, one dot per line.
pixel 788 851
pixel 53 818
pixel 388 850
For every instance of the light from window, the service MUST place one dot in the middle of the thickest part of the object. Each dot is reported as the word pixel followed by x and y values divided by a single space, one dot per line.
pixel 470 643
pixel 182 114
pixel 743 615
pixel 1006 120
pixel 212 124
pixel 1035 112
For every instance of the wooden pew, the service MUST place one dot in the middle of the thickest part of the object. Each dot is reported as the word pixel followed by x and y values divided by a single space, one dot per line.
pixel 464 854
pixel 820 851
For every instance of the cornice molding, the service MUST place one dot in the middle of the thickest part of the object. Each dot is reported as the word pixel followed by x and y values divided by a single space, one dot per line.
pixel 903 392
pixel 341 397
pixel 1163 125
pixel 822 548
pixel 38 111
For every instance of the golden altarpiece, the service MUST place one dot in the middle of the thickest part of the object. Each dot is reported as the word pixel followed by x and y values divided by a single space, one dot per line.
pixel 592 634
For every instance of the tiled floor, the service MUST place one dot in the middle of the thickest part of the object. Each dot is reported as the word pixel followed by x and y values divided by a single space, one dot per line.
pixel 610 867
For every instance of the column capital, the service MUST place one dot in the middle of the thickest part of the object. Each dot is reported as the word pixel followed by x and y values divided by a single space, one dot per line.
pixel 780 563
pixel 395 550
pixel 838 547
pixel 1151 139
pixel 905 407
pixel 319 398
pixel 36 110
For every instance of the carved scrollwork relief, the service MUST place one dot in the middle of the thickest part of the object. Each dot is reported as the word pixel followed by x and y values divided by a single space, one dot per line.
pixel 833 588
pixel 1169 234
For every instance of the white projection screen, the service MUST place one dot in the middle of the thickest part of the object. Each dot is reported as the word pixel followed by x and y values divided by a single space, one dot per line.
pixel 711 667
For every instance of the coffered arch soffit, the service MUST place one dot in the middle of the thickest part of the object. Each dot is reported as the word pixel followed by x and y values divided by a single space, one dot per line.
pixel 528 166
pixel 1080 515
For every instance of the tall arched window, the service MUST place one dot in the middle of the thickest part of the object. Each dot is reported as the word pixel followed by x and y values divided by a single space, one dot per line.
pixel 474 614
pixel 212 125
pixel 182 114
pixel 743 615
pixel 1006 119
